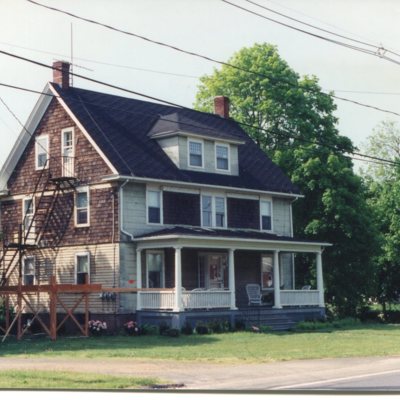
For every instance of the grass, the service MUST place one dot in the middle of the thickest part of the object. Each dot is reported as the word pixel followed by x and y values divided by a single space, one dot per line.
pixel 69 380
pixel 350 341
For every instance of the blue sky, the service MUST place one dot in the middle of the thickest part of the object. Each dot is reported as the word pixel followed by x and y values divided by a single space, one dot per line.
pixel 209 27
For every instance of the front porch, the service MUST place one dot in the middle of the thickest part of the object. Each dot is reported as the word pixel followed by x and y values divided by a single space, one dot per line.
pixel 184 273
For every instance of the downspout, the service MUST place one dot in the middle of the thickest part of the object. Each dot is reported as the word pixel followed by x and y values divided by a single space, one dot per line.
pixel 121 200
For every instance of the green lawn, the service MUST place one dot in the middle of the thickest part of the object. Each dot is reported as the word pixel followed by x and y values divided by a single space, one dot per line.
pixel 69 380
pixel 361 340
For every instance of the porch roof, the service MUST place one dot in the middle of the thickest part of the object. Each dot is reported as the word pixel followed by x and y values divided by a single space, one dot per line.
pixel 226 238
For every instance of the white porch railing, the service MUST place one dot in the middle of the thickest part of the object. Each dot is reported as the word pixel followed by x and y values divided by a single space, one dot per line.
pixel 206 299
pixel 299 297
pixel 164 300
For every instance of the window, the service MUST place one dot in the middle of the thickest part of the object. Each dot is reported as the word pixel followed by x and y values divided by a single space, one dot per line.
pixel 67 152
pixel 82 267
pixel 220 212
pixel 42 151
pixel 82 207
pixel 155 269
pixel 29 270
pixel 222 157
pixel 267 273
pixel 206 210
pixel 265 211
pixel 28 222
pixel 213 211
pixel 195 154
pixel 154 207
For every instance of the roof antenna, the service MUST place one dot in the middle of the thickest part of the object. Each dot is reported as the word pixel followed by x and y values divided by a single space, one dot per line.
pixel 72 58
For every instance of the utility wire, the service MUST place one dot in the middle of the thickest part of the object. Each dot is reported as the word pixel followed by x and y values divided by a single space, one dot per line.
pixel 379 53
pixel 281 133
pixel 380 48
pixel 271 78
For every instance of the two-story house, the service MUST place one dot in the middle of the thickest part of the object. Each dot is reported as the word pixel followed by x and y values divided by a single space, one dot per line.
pixel 178 205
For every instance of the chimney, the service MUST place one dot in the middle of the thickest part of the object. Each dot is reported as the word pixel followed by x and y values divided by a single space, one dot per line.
pixel 221 106
pixel 61 73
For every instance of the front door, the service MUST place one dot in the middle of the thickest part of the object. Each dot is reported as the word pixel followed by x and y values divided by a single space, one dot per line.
pixel 213 273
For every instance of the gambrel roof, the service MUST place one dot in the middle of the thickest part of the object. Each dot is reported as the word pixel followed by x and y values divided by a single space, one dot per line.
pixel 125 132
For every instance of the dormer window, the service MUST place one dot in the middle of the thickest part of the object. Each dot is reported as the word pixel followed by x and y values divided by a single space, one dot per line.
pixel 222 157
pixel 195 153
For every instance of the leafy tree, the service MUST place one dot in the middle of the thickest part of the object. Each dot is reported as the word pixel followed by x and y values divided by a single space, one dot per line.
pixel 293 122
pixel 384 199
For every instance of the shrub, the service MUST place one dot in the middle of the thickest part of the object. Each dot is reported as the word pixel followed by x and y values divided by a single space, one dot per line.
pixel 240 325
pixel 172 332
pixel 202 329
pixel 187 329
pixel 132 328
pixel 218 326
pixel 97 327
pixel 147 329
pixel 392 317
pixel 163 328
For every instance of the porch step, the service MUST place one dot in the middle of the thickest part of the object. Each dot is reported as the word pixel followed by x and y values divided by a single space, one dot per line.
pixel 276 320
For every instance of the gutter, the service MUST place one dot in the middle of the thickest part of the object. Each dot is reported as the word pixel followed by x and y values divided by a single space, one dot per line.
pixel 121 202
pixel 111 178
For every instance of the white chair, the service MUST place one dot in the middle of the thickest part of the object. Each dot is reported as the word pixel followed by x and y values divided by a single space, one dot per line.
pixel 254 294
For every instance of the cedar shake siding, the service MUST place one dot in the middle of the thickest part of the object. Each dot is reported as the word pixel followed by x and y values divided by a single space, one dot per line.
pixel 89 166
pixel 243 213
pixel 181 208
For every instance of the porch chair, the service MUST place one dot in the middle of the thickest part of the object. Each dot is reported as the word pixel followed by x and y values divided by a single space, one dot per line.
pixel 306 287
pixel 254 294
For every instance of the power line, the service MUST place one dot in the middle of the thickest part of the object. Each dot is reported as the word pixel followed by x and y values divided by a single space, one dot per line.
pixel 284 134
pixel 191 53
pixel 381 48
pixel 379 53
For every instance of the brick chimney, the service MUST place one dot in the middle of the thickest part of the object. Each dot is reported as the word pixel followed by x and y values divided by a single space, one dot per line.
pixel 221 106
pixel 61 73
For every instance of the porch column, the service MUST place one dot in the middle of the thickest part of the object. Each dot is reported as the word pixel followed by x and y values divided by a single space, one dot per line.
pixel 320 280
pixel 178 279
pixel 232 288
pixel 277 288
pixel 138 277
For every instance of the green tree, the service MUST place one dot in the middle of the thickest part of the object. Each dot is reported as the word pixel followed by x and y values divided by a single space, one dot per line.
pixel 293 122
pixel 383 181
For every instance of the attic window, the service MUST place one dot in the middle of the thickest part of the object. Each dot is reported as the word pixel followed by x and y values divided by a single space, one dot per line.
pixel 42 151
pixel 195 153
pixel 222 157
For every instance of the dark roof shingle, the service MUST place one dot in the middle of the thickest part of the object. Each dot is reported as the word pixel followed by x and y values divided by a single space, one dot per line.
pixel 122 127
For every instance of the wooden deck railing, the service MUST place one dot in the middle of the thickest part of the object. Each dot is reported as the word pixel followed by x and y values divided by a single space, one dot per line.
pixel 299 297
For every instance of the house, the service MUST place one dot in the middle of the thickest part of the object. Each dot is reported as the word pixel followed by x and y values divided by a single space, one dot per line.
pixel 177 209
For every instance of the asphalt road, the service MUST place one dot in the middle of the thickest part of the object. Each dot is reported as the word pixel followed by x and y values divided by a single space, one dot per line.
pixel 345 374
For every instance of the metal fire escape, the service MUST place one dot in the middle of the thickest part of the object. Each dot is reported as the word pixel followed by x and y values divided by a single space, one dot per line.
pixel 46 212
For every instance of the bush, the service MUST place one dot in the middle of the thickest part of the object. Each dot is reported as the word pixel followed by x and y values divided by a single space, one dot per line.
pixel 202 329
pixel 132 328
pixel 318 325
pixel 172 332
pixel 163 327
pixel 367 315
pixel 147 329
pixel 218 326
pixel 97 327
pixel 240 325
pixel 187 329
pixel 392 317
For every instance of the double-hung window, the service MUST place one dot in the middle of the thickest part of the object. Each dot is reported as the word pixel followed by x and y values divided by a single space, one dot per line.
pixel 29 270
pixel 195 153
pixel 266 215
pixel 213 211
pixel 154 207
pixel 82 267
pixel 82 207
pixel 42 151
pixel 222 157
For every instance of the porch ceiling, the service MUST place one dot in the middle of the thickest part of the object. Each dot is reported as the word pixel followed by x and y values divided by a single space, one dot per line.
pixel 225 238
